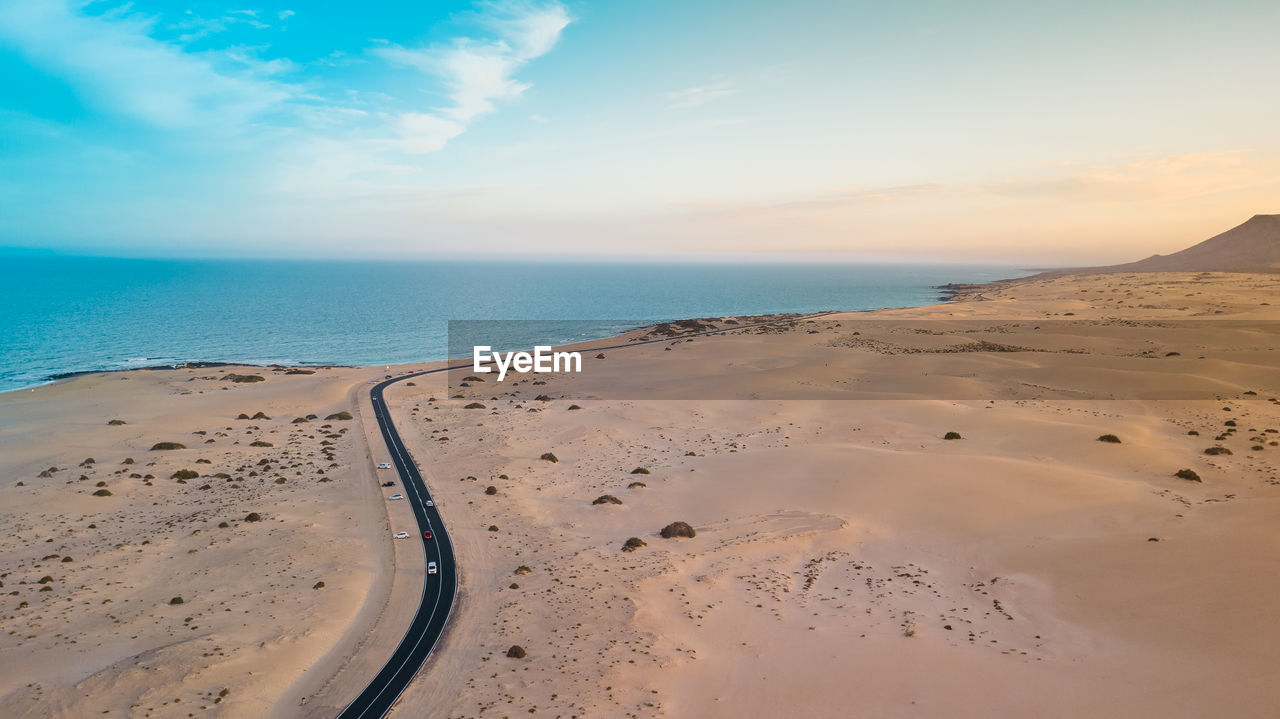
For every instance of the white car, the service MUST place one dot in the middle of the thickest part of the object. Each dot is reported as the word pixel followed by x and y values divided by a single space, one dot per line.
pixel 396 496
pixel 384 465
pixel 401 535
pixel 430 503
pixel 431 567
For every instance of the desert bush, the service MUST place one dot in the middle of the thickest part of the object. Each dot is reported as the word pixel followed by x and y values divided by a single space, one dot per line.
pixel 633 544
pixel 259 415
pixel 1187 474
pixel 1111 438
pixel 318 585
pixel 606 499
pixel 637 485
pixel 474 405
pixel 493 527
pixel 516 652
pixel 176 600
pixel 1193 433
pixel 550 457
pixel 574 406
pixel 185 474
pixel 952 435
pixel 299 420
pixel 244 378
pixel 639 470
pixel 116 422
pixel 223 525
pixel 523 569
pixel 491 490
pixel 253 517
pixel 1214 451
pixel 343 415
pixel 677 529
pixel 299 370
pixel 260 443
pixel 102 493
pixel 167 445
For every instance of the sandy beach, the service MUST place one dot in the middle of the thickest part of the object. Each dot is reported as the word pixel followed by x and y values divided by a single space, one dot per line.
pixel 848 560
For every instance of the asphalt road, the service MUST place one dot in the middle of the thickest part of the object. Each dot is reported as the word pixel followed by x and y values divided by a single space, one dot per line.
pixel 439 590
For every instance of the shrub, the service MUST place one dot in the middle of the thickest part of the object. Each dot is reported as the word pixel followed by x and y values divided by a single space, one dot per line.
pixel 1109 438
pixel 299 370
pixel 1193 433
pixel 1214 451
pixel 67 559
pixel 244 378
pixel 253 517
pixel 474 405
pixel 677 529
pixel 116 422
pixel 300 420
pixel 493 527
pixel 260 443
pixel 472 378
pixel 343 415
pixel 223 525
pixel 637 485
pixel 318 585
pixel 574 406
pixel 491 490
pixel 176 600
pixel 167 445
pixel 46 579
pixel 185 474
pixel 550 457
pixel 102 493
pixel 952 435
pixel 516 651
pixel 523 569
pixel 633 544
pixel 607 499
pixel 127 460
pixel 639 470
pixel 259 415
pixel 1187 474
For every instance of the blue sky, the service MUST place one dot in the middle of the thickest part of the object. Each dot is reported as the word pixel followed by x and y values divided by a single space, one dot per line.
pixel 927 130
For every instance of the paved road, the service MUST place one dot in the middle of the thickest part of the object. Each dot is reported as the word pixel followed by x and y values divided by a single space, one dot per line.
pixel 439 590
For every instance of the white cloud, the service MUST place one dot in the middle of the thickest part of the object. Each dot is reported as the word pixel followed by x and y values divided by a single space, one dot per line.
pixel 285 14
pixel 479 73
pixel 114 62
pixel 700 95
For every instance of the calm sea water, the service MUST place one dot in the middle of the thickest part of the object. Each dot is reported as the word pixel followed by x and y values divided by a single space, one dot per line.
pixel 73 314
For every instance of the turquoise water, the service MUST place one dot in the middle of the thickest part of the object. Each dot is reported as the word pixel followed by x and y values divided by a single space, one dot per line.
pixel 73 314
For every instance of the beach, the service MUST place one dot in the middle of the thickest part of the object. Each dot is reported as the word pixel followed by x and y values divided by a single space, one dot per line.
pixel 847 558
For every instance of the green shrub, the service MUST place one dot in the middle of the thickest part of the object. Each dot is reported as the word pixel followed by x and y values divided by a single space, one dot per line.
pixel 244 378
pixel 185 474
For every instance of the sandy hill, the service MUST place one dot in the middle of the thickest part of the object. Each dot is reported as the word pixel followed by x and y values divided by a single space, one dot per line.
pixel 1251 247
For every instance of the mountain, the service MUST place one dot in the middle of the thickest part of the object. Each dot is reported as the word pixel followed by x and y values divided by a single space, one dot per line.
pixel 1251 247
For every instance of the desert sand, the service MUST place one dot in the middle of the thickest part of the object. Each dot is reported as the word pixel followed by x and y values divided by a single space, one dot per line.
pixel 848 560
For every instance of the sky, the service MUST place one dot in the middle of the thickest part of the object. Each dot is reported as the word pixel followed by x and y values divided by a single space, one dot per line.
pixel 1031 133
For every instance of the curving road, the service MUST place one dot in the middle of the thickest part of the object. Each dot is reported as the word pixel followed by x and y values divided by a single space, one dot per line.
pixel 439 590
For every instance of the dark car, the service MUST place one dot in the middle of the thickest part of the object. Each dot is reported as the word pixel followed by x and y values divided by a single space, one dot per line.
pixel 388 484
pixel 426 535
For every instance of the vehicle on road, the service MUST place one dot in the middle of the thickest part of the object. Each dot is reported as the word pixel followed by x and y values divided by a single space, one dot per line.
pixel 396 496
pixel 426 534
pixel 431 567
pixel 401 535
pixel 384 465
pixel 430 503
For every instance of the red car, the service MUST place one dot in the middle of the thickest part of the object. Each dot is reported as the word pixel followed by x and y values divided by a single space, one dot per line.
pixel 426 535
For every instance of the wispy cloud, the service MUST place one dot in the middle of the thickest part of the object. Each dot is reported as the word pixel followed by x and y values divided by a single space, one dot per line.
pixel 115 63
pixel 477 73
pixel 700 94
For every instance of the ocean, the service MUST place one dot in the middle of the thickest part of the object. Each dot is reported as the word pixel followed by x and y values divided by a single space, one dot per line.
pixel 61 314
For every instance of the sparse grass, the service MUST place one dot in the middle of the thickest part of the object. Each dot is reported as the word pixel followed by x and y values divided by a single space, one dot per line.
pixel 158 446
pixel 677 529
pixel 1187 474
pixel 550 457
pixel 1110 438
